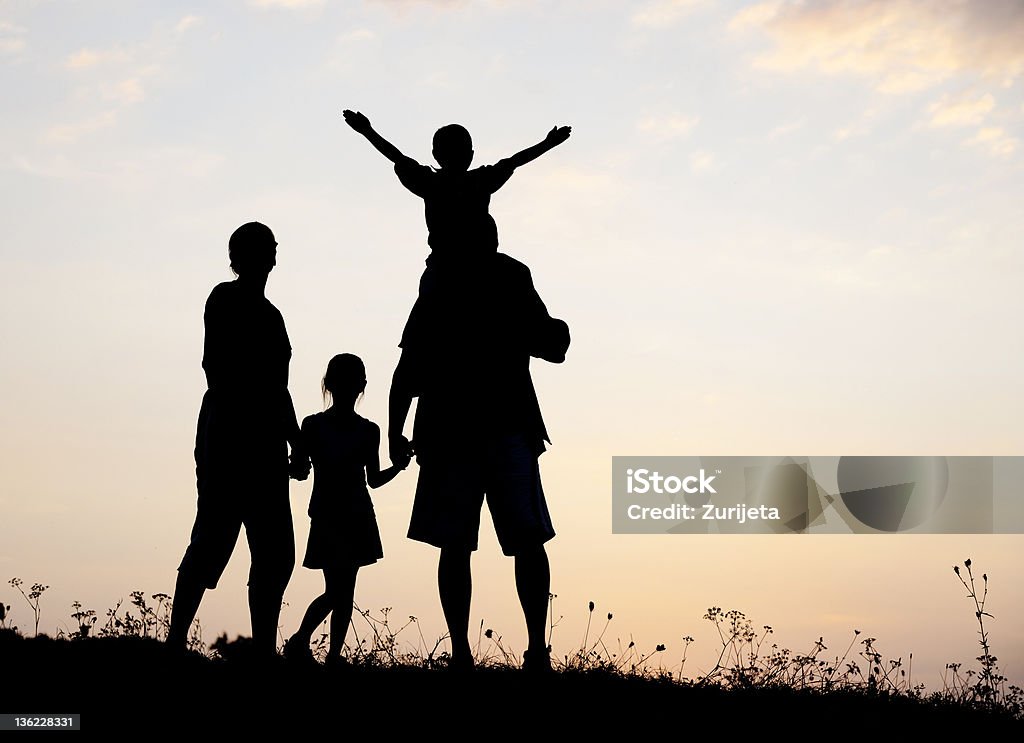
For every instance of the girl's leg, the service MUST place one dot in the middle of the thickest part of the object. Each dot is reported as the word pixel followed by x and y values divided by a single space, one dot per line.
pixel 341 590
pixel 316 613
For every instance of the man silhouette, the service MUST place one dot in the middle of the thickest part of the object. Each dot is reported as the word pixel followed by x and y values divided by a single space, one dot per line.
pixel 478 433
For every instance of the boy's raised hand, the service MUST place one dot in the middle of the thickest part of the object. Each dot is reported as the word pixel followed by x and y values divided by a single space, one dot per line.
pixel 558 134
pixel 357 121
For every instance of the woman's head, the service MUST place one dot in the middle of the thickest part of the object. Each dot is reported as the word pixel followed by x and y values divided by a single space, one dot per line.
pixel 345 379
pixel 453 147
pixel 252 249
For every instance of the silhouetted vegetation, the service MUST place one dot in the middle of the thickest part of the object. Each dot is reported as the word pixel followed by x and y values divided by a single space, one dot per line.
pixel 118 670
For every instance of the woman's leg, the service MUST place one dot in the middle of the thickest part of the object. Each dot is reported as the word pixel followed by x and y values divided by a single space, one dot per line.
pixel 341 590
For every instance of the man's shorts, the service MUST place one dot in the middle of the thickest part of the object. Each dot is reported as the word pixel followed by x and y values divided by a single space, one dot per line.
pixel 451 492
pixel 224 506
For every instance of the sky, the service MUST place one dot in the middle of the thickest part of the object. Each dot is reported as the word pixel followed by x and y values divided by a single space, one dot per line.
pixel 777 228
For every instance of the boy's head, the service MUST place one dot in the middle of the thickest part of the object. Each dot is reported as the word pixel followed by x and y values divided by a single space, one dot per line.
pixel 453 147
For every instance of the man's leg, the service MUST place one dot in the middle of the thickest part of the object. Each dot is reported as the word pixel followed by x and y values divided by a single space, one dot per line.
pixel 188 593
pixel 455 585
pixel 213 538
pixel 272 548
pixel 533 583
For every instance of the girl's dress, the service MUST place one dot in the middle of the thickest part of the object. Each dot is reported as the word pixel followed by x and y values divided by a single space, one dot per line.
pixel 343 528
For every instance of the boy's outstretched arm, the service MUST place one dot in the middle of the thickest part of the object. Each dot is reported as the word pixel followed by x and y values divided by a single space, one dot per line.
pixel 554 138
pixel 361 124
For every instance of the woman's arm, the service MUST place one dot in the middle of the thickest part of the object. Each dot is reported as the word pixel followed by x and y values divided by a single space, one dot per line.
pixel 375 477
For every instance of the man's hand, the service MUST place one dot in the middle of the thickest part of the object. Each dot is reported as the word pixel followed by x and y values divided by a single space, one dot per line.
pixel 298 465
pixel 357 121
pixel 557 135
pixel 400 449
pixel 401 462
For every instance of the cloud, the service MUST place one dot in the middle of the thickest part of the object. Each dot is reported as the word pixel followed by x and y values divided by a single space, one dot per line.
pixel 66 133
pixel 996 140
pixel 960 111
pixel 357 34
pixel 125 92
pixel 402 5
pixel 702 161
pixel 901 45
pixel 86 58
pixel 664 128
pixel 662 13
pixel 858 128
pixel 783 129
pixel 186 23
pixel 12 39
pixel 288 4
pixel 140 169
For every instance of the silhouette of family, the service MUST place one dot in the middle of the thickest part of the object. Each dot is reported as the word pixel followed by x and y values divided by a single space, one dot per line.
pixel 477 433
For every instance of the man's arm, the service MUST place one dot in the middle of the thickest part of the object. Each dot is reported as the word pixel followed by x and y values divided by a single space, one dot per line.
pixel 399 402
pixel 361 124
pixel 298 461
pixel 554 138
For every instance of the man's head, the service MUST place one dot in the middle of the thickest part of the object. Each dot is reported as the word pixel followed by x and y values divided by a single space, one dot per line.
pixel 453 148
pixel 252 249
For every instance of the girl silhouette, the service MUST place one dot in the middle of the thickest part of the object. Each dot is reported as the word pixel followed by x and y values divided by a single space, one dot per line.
pixel 343 533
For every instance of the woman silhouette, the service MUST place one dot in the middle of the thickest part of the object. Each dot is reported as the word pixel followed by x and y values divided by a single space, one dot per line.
pixel 246 423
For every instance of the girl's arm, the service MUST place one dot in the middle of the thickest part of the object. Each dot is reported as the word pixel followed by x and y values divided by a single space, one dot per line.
pixel 361 124
pixel 375 477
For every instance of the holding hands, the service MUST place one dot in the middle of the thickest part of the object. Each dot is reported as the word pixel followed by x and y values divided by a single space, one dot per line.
pixel 400 451
pixel 298 465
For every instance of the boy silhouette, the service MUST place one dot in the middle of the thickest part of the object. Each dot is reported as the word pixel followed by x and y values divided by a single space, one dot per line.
pixel 462 235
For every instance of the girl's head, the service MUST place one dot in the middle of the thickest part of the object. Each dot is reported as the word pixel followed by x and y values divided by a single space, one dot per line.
pixel 453 147
pixel 345 379
pixel 252 249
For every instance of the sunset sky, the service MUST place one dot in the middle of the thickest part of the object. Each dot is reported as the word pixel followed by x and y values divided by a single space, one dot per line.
pixel 777 228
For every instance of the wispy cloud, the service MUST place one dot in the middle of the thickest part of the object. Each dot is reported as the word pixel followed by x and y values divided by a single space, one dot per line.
pixel 702 161
pixel 667 127
pixel 783 129
pixel 663 13
pixel 900 45
pixel 186 23
pixel 995 140
pixel 288 4
pixel 356 35
pixel 858 128
pixel 87 58
pixel 961 110
pixel 67 133
pixel 12 39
